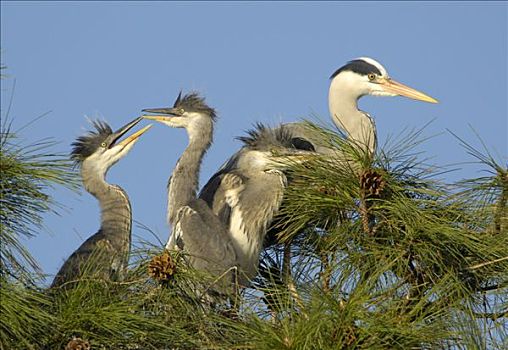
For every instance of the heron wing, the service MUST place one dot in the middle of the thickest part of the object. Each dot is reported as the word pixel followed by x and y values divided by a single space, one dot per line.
pixel 208 191
pixel 205 239
pixel 94 256
pixel 214 192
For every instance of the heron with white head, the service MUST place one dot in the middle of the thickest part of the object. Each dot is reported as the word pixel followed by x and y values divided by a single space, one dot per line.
pixel 359 77
pixel 95 153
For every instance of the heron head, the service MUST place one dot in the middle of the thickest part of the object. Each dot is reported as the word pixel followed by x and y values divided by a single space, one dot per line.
pixel 274 148
pixel 366 76
pixel 100 149
pixel 188 111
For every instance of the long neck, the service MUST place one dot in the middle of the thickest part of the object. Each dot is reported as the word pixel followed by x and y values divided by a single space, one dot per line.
pixel 359 126
pixel 116 217
pixel 183 184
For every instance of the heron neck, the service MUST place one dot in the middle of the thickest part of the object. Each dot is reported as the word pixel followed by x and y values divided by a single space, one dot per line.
pixel 116 217
pixel 358 125
pixel 183 184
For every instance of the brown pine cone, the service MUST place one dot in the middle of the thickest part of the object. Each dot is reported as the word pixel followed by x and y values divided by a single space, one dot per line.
pixel 78 344
pixel 372 183
pixel 162 267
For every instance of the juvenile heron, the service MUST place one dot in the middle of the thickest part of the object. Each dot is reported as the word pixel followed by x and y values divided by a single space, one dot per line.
pixel 249 209
pixel 95 153
pixel 196 229
pixel 219 240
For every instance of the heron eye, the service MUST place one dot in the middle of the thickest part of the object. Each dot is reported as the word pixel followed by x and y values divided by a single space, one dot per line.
pixel 371 76
pixel 181 110
pixel 103 145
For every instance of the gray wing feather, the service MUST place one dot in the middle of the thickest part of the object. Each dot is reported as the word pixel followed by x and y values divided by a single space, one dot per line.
pixel 105 259
pixel 206 241
pixel 214 192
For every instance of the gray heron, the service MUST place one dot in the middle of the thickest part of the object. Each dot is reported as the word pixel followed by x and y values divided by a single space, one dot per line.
pixel 218 241
pixel 196 229
pixel 249 209
pixel 95 153
pixel 359 77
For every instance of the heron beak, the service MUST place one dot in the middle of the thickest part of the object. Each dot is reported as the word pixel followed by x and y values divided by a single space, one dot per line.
pixel 394 87
pixel 160 118
pixel 133 137
pixel 165 114
pixel 301 158
pixel 168 111
pixel 123 130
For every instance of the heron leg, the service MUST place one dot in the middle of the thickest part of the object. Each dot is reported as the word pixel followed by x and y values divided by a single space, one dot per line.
pixel 235 302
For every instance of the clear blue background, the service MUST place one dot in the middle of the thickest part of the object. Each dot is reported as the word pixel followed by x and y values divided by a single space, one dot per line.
pixel 266 62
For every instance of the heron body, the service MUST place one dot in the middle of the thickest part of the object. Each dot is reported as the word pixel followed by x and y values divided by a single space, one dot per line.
pixel 196 229
pixel 95 153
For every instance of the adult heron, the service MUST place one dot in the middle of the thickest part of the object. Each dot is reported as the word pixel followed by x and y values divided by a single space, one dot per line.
pixel 196 229
pixel 95 153
pixel 359 77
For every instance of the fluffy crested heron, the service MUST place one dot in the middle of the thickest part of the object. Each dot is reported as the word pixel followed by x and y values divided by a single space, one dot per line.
pixel 95 153
pixel 196 229
pixel 359 77
pixel 248 210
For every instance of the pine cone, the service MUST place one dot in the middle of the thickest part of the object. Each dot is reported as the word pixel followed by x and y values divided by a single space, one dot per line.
pixel 78 344
pixel 372 183
pixel 162 267
pixel 350 337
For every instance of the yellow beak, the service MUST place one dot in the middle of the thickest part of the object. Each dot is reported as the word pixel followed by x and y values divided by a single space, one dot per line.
pixel 134 136
pixel 394 87
pixel 159 118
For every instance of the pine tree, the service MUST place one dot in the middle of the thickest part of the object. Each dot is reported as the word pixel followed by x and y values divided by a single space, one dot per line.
pixel 374 252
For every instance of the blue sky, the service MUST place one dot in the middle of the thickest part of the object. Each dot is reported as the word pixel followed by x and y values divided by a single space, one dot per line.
pixel 267 62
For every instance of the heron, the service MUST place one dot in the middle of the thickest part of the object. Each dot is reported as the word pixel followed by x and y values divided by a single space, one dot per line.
pixel 359 77
pixel 95 153
pixel 249 209
pixel 213 244
pixel 197 231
